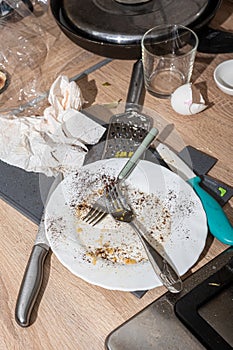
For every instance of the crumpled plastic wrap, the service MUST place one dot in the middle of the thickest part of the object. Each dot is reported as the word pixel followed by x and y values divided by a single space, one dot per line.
pixel 25 45
pixel 22 63
pixel 54 142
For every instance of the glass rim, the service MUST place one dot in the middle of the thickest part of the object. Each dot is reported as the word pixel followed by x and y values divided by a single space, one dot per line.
pixel 164 26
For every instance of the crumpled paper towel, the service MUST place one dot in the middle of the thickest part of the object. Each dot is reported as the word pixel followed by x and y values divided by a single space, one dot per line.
pixel 55 142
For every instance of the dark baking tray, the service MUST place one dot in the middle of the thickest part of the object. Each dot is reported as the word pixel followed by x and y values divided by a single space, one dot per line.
pixel 208 310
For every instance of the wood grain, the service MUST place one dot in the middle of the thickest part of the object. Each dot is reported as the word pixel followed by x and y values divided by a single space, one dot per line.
pixel 70 313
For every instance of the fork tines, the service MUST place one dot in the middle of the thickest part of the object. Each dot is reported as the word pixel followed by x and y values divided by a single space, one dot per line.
pixel 94 215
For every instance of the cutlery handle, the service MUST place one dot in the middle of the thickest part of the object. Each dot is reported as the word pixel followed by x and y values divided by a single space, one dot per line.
pixel 30 286
pixel 218 222
pixel 136 88
pixel 163 269
pixel 132 162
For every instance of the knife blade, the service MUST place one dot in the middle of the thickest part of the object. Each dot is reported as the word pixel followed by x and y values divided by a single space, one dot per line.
pixel 33 275
pixel 218 223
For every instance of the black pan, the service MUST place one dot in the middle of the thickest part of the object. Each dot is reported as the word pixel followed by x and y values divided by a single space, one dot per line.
pixel 114 30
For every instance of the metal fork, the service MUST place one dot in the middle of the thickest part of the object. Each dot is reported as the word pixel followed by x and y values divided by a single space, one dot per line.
pixel 98 210
pixel 121 211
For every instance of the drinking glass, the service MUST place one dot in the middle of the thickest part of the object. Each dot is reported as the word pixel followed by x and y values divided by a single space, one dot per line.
pixel 168 54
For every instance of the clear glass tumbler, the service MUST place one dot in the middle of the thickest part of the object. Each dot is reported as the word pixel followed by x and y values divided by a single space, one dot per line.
pixel 168 54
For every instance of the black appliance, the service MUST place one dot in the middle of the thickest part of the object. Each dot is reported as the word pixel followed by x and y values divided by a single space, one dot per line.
pixel 203 317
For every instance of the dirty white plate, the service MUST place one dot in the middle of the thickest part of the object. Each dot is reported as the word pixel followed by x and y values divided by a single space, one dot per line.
pixel 110 254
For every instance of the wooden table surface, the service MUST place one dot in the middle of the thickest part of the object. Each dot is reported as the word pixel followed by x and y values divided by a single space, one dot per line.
pixel 70 313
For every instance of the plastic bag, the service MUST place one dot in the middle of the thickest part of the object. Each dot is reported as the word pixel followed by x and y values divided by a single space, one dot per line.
pixel 22 56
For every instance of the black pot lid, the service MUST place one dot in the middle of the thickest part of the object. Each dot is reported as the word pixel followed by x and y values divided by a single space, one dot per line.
pixel 110 21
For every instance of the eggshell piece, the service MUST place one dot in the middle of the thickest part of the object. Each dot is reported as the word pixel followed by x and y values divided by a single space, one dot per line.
pixel 187 100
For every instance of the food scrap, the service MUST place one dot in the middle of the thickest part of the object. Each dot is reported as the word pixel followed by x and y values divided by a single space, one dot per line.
pixel 79 230
pixel 111 254
pixel 214 284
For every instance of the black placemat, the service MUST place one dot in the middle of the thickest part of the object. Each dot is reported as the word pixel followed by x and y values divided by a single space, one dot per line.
pixel 22 190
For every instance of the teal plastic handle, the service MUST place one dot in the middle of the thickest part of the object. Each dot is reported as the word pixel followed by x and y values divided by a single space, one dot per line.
pixel 219 225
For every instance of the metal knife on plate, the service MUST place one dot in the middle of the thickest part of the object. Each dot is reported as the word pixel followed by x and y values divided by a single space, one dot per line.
pixel 33 275
pixel 218 223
